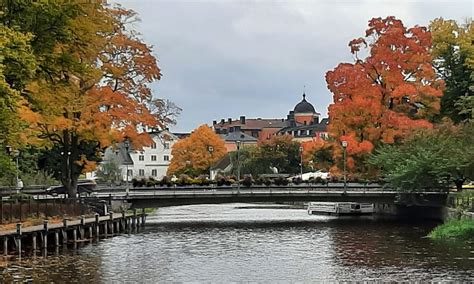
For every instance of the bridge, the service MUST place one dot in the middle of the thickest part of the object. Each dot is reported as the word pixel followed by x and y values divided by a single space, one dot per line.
pixel 162 197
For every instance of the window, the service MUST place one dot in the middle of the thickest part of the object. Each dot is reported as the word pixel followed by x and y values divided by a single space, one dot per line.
pixel 153 145
pixel 166 158
pixel 141 172
pixel 167 145
pixel 141 158
pixel 130 173
pixel 153 157
pixel 154 173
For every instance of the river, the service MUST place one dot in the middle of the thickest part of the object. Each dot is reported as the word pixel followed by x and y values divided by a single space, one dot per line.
pixel 254 243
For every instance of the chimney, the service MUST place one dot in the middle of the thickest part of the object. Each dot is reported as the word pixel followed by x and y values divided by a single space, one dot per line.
pixel 222 121
pixel 242 119
pixel 214 122
pixel 229 120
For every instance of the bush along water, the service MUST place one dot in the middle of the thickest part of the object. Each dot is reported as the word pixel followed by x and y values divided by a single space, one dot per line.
pixel 462 229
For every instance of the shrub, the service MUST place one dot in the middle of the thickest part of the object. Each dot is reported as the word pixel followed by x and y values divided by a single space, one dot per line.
pixel 151 182
pixel 184 180
pixel 135 182
pixel 334 179
pixel 267 181
pixel 454 229
pixel 201 180
pixel 166 181
pixel 297 180
pixel 259 181
pixel 220 180
pixel 280 181
pixel 247 181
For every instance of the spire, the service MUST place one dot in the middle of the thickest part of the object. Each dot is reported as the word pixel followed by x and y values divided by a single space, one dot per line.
pixel 304 97
pixel 304 92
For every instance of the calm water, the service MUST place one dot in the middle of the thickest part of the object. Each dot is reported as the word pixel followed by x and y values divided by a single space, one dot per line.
pixel 235 243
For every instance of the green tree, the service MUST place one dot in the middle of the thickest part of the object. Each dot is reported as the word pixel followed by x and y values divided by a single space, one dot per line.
pixel 109 170
pixel 453 58
pixel 279 152
pixel 429 159
pixel 90 86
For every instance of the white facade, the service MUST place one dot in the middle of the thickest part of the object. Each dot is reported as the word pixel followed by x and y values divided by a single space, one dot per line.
pixel 152 161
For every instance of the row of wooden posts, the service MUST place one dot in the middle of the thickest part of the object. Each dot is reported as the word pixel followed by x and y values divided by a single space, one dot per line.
pixel 86 229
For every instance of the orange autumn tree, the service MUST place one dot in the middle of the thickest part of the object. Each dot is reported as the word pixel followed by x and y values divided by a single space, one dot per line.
pixel 91 88
pixel 381 98
pixel 317 154
pixel 196 153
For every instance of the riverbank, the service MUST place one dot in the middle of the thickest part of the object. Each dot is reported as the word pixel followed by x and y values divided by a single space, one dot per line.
pixel 461 229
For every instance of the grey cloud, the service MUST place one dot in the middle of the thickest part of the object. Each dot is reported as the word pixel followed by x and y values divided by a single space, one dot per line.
pixel 228 58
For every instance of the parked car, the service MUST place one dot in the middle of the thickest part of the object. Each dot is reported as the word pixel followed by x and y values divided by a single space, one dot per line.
pixel 84 186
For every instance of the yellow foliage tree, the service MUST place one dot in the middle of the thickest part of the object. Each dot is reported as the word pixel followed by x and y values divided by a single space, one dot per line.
pixel 196 153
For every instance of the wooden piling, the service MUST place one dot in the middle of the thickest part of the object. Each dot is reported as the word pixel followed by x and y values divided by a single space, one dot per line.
pixel 111 223
pixel 56 238
pixel 143 217
pixel 74 235
pixel 33 240
pixel 90 233
pixel 106 224
pixel 97 227
pixel 5 246
pixel 45 234
pixel 18 238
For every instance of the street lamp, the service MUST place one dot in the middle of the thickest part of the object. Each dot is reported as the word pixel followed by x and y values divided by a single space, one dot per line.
pixel 126 144
pixel 301 162
pixel 344 146
pixel 238 143
pixel 210 149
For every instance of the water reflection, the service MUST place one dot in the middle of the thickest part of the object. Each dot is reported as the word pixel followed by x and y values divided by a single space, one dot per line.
pixel 229 243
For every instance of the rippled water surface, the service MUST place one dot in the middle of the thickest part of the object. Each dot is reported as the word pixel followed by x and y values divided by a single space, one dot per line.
pixel 239 243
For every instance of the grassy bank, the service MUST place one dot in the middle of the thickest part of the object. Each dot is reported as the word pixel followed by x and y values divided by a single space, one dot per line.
pixel 453 230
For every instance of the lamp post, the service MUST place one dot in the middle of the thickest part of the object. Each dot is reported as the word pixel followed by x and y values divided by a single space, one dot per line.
pixel 344 146
pixel 68 172
pixel 301 162
pixel 210 149
pixel 126 144
pixel 238 143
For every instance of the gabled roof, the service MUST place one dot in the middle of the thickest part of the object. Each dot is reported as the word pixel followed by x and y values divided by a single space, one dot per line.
pixel 238 136
pixel 123 156
pixel 223 163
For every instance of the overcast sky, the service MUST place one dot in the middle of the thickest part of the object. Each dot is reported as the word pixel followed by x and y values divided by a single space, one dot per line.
pixel 223 59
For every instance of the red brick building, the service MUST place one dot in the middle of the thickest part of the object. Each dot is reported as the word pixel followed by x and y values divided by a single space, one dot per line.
pixel 303 123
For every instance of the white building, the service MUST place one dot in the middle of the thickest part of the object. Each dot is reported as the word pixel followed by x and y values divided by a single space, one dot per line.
pixel 151 161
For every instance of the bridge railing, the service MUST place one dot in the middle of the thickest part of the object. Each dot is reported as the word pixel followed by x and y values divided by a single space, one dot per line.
pixel 234 190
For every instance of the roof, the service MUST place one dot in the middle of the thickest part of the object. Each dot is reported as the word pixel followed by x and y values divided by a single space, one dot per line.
pixel 254 123
pixel 320 127
pixel 222 163
pixel 238 136
pixel 304 106
pixel 123 154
